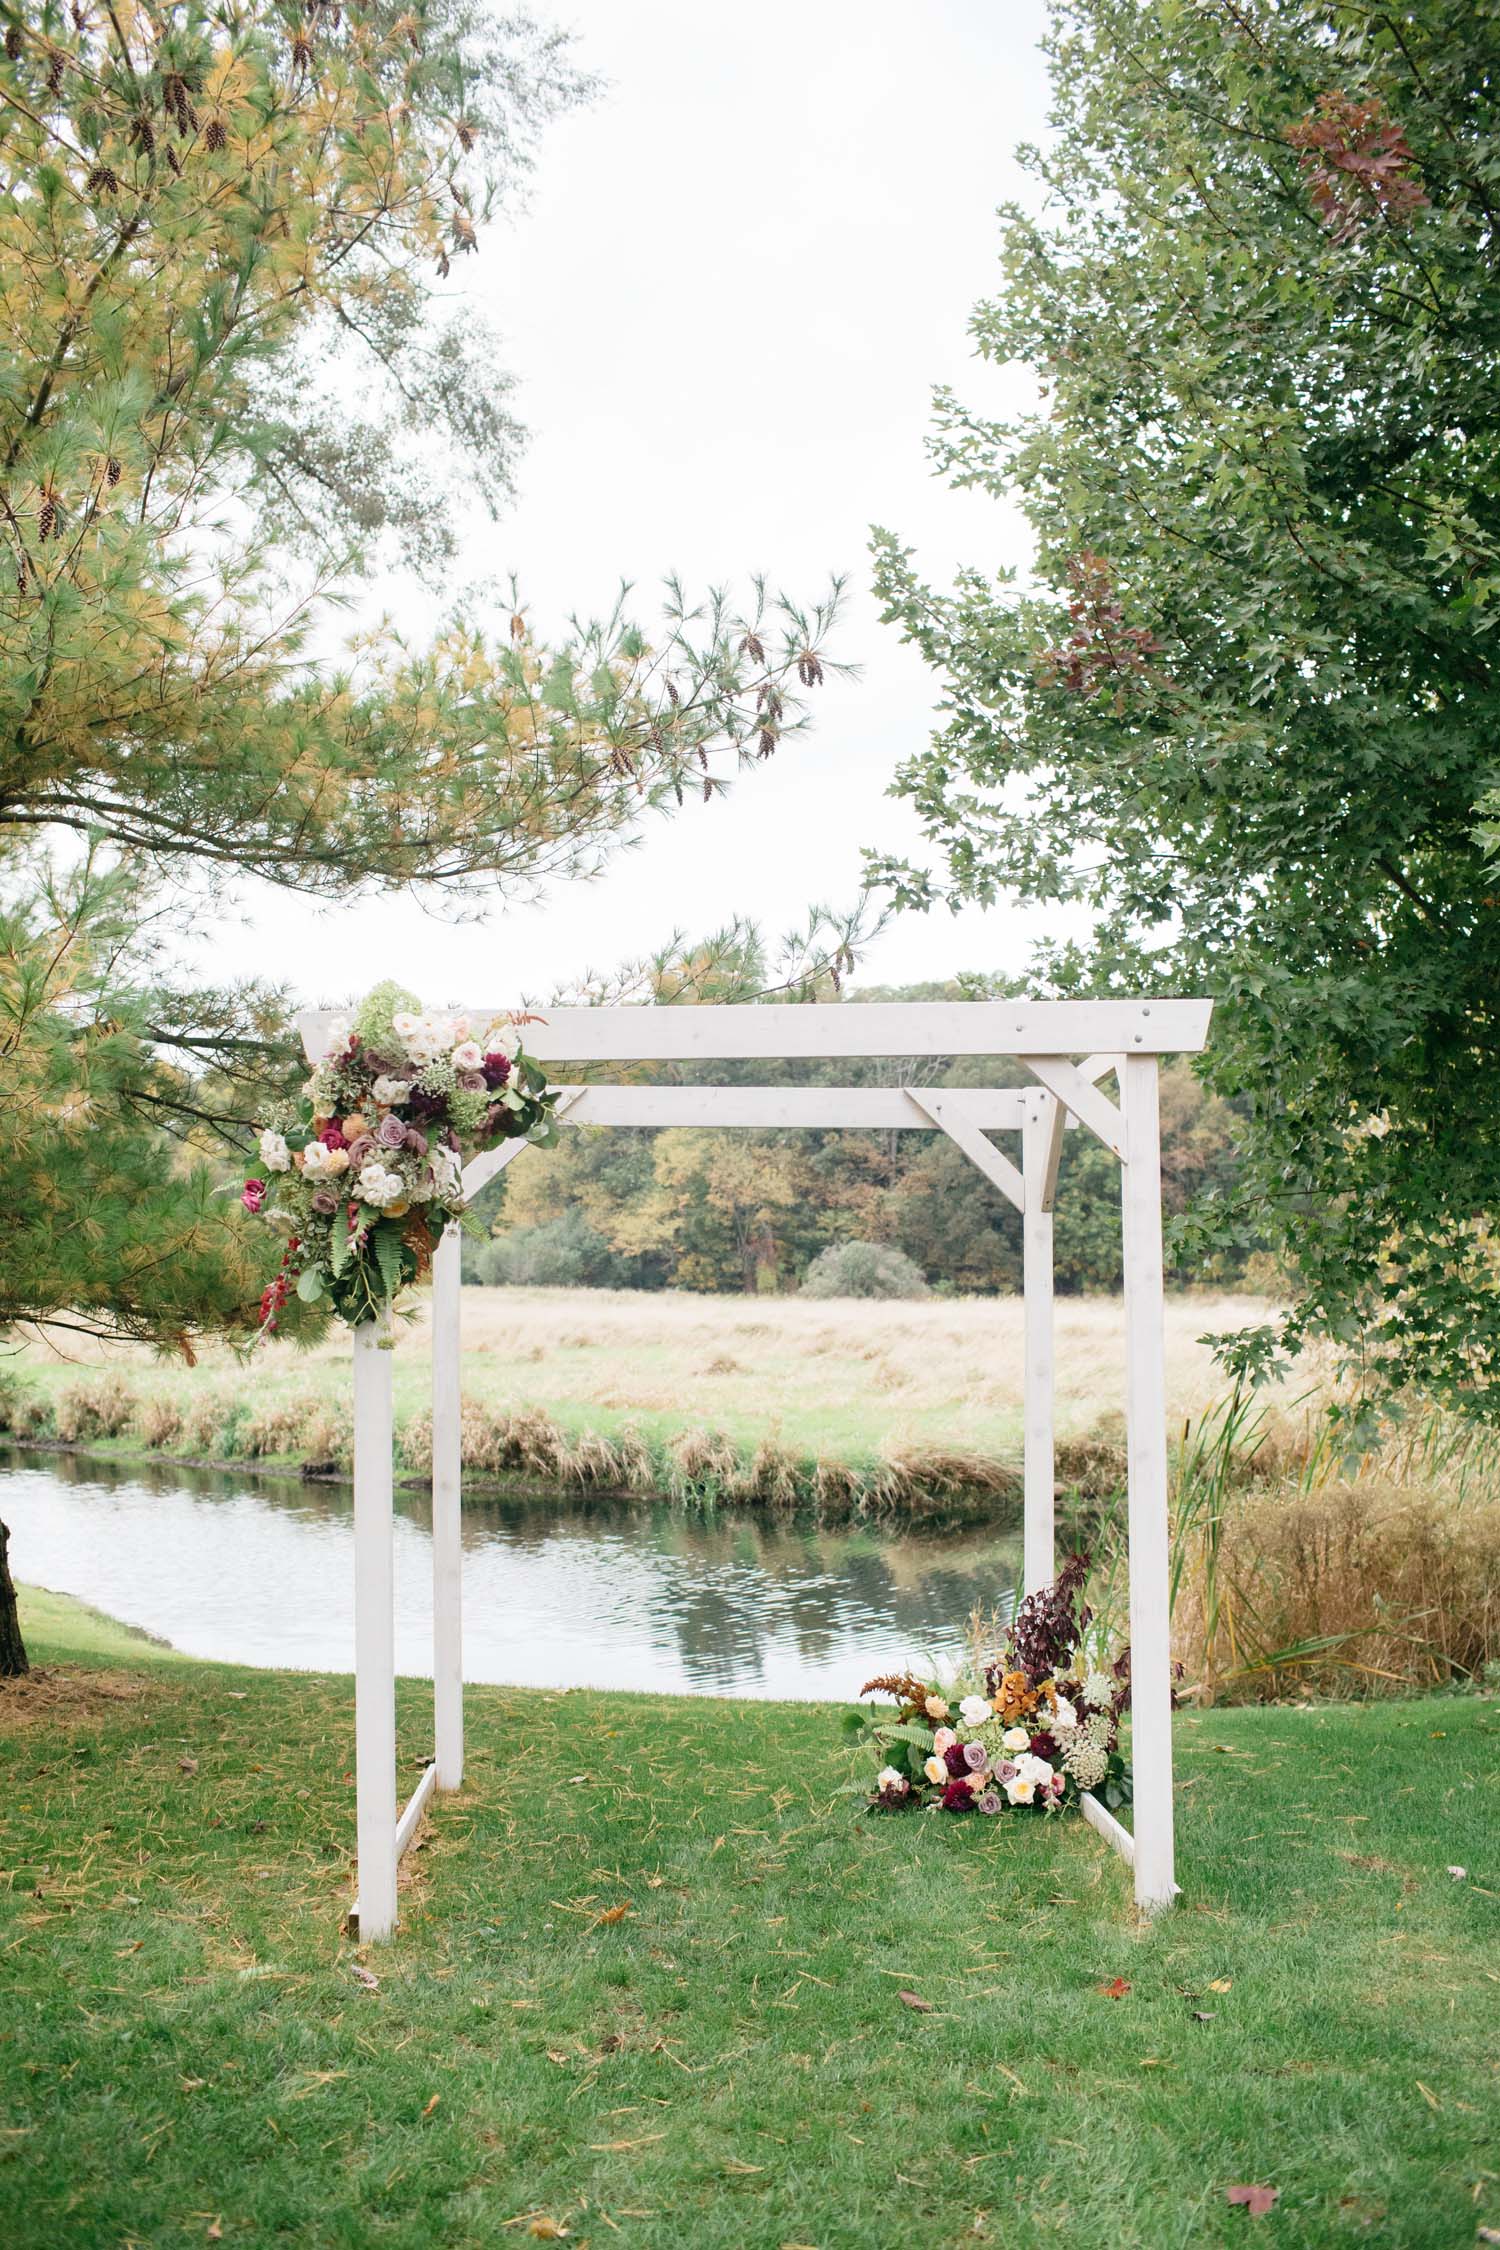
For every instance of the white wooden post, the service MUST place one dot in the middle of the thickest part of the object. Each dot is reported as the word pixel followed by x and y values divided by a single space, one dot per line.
pixel 374 1635
pixel 1039 1137
pixel 447 1532
pixel 1146 1412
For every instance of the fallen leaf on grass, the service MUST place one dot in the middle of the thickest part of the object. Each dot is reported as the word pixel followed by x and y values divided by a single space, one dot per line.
pixel 1427 2094
pixel 1221 1984
pixel 1459 1874
pixel 1488 2234
pixel 1257 2200
pixel 214 2231
pixel 611 1914
pixel 915 2000
pixel 364 1976
pixel 1116 1989
pixel 432 2105
pixel 548 2230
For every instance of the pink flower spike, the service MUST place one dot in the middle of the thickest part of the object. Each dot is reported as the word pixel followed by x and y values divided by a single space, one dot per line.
pixel 253 1194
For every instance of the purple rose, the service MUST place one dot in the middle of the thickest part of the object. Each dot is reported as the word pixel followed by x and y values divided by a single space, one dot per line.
pixel 325 1202
pixel 975 1756
pixel 360 1147
pixel 415 1141
pixel 1006 1770
pixel 988 1801
pixel 392 1133
pixel 955 1761
pixel 473 1081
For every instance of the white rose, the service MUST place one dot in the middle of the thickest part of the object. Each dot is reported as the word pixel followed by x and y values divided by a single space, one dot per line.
pixel 274 1153
pixel 1035 1770
pixel 975 1710
pixel 889 1778
pixel 392 1091
pixel 1020 1790
pixel 1015 1738
pixel 404 1024
pixel 320 1163
pixel 1064 1717
pixel 935 1770
pixel 377 1185
pixel 337 1036
pixel 467 1055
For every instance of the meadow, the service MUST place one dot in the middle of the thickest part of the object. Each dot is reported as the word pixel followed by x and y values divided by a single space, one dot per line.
pixel 840 1382
pixel 658 1983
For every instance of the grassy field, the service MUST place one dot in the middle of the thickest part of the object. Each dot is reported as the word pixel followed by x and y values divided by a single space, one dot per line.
pixel 843 1381
pixel 189 2052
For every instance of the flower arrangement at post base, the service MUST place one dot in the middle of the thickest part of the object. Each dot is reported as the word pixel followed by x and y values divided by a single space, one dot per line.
pixel 366 1174
pixel 1031 1732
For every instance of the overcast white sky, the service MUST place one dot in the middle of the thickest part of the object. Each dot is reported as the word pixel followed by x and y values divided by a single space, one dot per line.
pixel 740 273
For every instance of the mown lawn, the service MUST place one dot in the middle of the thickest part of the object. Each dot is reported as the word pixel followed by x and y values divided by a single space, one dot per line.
pixel 188 2054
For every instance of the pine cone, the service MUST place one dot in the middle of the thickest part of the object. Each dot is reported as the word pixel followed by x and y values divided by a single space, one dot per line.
pixel 103 180
pixel 112 471
pixel 465 136
pixel 47 518
pixel 214 135
pixel 809 669
pixel 14 41
pixel 54 70
pixel 174 160
pixel 143 133
pixel 302 52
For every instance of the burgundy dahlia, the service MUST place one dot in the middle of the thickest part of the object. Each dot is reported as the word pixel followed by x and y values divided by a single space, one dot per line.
pixel 1044 1746
pixel 496 1071
pixel 958 1797
pixel 955 1761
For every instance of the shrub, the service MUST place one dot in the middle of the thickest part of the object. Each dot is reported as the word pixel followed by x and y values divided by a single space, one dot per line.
pixel 563 1253
pixel 25 1411
pixel 864 1269
pixel 99 1409
pixel 158 1422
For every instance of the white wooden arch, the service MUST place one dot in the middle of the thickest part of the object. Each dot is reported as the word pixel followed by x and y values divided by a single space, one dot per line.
pixel 1068 1047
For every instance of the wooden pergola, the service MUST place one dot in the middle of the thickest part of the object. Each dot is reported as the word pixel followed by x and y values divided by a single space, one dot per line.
pixel 1069 1049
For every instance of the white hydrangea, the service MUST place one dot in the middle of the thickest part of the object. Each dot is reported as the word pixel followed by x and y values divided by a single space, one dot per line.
pixel 337 1037
pixel 1098 1689
pixel 392 1091
pixel 274 1153
pixel 379 1185
pixel 1064 1717
pixel 975 1710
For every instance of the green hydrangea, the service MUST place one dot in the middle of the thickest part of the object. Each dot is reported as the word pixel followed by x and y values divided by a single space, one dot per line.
pixel 467 1109
pixel 375 1021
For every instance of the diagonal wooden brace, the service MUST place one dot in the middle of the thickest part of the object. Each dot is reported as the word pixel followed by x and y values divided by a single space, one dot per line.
pixel 1077 1093
pixel 947 1113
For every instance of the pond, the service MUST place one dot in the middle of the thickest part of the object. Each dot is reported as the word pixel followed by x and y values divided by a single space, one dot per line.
pixel 257 1571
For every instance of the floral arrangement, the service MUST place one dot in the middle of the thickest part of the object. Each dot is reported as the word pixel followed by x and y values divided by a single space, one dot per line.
pixel 363 1177
pixel 1033 1729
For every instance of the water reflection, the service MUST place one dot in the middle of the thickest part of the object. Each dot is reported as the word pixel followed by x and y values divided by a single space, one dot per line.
pixel 260 1572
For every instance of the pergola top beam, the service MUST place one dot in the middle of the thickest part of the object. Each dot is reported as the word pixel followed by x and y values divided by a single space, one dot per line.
pixel 749 1032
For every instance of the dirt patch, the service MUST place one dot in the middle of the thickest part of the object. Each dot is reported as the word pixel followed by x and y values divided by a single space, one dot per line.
pixel 65 1695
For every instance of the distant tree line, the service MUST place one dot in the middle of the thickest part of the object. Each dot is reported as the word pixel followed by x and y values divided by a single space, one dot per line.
pixel 749 1211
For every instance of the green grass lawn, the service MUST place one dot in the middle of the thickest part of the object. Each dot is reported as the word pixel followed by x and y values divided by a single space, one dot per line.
pixel 188 2054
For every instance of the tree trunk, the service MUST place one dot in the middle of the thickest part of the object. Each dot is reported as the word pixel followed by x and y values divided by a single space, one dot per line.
pixel 13 1662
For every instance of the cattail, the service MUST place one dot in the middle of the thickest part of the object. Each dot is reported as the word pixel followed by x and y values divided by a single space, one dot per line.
pixel 103 180
pixel 214 135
